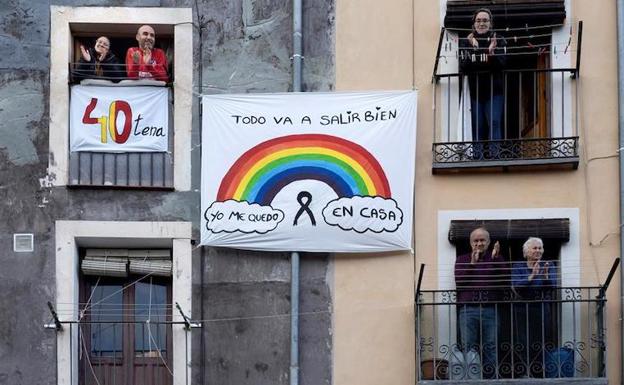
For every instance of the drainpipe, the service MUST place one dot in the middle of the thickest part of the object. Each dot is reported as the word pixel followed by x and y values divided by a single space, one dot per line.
pixel 294 318
pixel 294 256
pixel 297 45
pixel 620 45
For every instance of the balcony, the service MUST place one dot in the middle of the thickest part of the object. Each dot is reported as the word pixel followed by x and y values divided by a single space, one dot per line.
pixel 566 340
pixel 522 117
pixel 556 334
pixel 122 168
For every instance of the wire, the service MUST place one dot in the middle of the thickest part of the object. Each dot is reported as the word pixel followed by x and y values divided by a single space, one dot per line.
pixel 90 297
pixel 120 290
pixel 507 29
pixel 87 355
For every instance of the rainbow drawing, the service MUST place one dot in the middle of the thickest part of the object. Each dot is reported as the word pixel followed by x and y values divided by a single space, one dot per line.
pixel 262 171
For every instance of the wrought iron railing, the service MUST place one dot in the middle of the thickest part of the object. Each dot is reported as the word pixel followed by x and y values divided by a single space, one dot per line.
pixel 513 117
pixel 555 333
pixel 532 149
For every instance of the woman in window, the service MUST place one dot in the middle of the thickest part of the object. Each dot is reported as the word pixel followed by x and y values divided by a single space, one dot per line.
pixel 532 281
pixel 98 62
pixel 482 58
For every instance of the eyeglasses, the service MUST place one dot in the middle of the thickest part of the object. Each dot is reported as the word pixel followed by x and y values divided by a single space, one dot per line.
pixel 102 44
pixel 482 21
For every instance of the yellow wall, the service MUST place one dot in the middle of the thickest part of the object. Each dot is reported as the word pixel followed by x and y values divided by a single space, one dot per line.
pixel 392 45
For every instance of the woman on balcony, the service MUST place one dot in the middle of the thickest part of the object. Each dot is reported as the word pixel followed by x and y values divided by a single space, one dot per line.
pixel 98 62
pixel 532 282
pixel 482 58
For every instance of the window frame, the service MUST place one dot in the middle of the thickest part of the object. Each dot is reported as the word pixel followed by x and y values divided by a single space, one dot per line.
pixel 70 236
pixel 569 255
pixel 562 109
pixel 126 358
pixel 61 19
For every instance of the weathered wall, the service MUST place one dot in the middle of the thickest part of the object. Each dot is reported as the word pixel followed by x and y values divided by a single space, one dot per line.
pixel 246 48
pixel 394 47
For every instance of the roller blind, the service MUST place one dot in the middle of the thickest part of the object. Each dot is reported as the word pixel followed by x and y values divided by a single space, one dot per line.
pixel 518 229
pixel 507 13
pixel 121 262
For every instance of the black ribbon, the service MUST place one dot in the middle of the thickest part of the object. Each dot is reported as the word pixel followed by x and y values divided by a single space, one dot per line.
pixel 305 207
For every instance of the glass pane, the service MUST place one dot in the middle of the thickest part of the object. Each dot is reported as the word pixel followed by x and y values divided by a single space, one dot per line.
pixel 106 307
pixel 150 304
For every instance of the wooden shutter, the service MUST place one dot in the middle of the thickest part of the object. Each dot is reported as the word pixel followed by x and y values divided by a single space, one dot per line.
pixel 507 13
pixel 518 229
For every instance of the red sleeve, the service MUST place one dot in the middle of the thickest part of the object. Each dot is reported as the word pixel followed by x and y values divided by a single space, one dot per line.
pixel 131 69
pixel 160 68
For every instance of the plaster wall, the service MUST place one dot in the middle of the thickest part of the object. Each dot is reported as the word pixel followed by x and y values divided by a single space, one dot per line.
pixel 245 48
pixel 391 46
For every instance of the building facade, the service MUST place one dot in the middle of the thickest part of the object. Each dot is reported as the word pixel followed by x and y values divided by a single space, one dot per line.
pixel 70 219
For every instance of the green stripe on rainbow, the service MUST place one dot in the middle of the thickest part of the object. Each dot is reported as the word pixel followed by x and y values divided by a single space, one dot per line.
pixel 261 172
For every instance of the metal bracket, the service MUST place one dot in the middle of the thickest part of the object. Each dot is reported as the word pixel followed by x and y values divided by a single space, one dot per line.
pixel 188 323
pixel 57 323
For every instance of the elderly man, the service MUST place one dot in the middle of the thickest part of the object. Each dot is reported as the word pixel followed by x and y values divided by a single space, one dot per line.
pixel 145 61
pixel 480 280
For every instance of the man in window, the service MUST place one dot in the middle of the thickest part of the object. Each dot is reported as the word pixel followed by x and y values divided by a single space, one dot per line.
pixel 482 58
pixel 145 61
pixel 479 279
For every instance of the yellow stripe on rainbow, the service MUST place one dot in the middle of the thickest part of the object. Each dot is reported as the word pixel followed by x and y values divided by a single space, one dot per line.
pixel 240 189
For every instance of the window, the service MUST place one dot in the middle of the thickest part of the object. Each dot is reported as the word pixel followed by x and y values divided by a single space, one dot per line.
pixel 526 319
pixel 97 259
pixel 437 317
pixel 518 113
pixel 125 307
pixel 72 25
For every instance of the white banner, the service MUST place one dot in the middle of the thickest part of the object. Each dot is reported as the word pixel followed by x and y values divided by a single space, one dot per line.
pixel 119 119
pixel 322 172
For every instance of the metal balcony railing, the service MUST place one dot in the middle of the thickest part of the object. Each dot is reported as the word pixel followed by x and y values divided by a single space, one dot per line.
pixel 556 332
pixel 510 118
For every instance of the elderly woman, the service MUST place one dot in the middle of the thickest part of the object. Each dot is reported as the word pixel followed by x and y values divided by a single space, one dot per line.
pixel 532 281
pixel 98 62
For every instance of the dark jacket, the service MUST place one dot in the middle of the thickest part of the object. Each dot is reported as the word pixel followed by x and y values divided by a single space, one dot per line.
pixel 108 69
pixel 483 70
pixel 486 280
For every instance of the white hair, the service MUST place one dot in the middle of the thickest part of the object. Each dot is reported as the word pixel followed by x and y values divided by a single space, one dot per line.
pixel 528 243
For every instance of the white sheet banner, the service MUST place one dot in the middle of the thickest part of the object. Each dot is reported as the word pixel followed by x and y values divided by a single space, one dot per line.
pixel 322 172
pixel 119 119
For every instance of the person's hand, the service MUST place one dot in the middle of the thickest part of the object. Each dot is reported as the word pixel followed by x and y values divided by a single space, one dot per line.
pixel 493 44
pixel 546 266
pixel 535 272
pixel 474 257
pixel 85 54
pixel 496 250
pixel 147 55
pixel 135 57
pixel 473 41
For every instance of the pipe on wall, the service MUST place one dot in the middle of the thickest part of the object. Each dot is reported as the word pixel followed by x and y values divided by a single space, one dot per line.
pixel 294 257
pixel 620 46
pixel 294 319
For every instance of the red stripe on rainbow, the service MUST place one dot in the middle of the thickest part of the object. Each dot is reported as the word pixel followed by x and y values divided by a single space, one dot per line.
pixel 251 157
